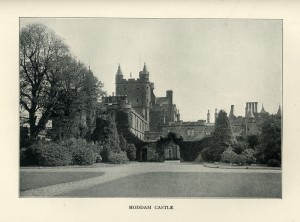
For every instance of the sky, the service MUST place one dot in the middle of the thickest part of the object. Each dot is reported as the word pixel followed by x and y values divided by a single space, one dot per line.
pixel 208 63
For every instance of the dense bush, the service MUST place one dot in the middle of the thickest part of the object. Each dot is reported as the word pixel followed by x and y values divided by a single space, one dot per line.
pixel 118 158
pixel 239 147
pixel 229 156
pixel 207 154
pixel 52 154
pixel 249 155
pixel 273 163
pixel 252 140
pixel 131 152
pixel 61 153
pixel 84 156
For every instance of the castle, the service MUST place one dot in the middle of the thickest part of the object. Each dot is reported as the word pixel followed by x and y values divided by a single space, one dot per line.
pixel 150 117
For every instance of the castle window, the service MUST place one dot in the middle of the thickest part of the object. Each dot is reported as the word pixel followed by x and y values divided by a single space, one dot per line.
pixel 137 100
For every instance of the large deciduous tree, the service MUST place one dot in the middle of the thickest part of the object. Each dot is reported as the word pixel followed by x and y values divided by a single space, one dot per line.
pixel 55 85
pixel 42 58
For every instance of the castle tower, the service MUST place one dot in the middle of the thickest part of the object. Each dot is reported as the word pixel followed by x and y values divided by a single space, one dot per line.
pixel 119 78
pixel 208 117
pixel 169 95
pixel 251 126
pixel 144 74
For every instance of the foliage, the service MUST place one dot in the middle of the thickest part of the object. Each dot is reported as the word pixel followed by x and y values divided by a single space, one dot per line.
pixel 222 133
pixel 190 150
pixel 118 158
pixel 199 159
pixel 54 85
pixel 229 156
pixel 239 147
pixel 169 138
pixel 221 139
pixel 270 145
pixel 61 153
pixel 24 138
pixel 207 154
pixel 42 57
pixel 253 141
pixel 131 152
pixel 84 156
pixel 273 163
pixel 123 143
pixel 52 154
pixel 249 155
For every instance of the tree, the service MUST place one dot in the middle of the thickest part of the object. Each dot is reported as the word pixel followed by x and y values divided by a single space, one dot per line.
pixel 42 57
pixel 222 132
pixel 270 147
pixel 55 85
pixel 221 139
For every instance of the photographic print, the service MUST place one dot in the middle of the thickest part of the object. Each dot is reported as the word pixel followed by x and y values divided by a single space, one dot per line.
pixel 151 108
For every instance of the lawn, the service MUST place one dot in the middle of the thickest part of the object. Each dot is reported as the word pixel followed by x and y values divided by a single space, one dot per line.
pixel 189 184
pixel 31 180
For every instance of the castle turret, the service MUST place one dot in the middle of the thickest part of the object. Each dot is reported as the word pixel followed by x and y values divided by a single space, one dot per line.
pixel 144 74
pixel 119 78
pixel 251 126
pixel 208 117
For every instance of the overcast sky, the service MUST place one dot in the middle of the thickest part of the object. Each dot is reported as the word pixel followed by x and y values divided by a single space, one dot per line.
pixel 208 63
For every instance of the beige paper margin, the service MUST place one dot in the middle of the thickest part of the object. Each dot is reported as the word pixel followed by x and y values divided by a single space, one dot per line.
pixel 13 208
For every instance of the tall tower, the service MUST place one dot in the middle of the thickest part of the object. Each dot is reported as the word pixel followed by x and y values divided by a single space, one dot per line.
pixel 208 117
pixel 251 126
pixel 119 78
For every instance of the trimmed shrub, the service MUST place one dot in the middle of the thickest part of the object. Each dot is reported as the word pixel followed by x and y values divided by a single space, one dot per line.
pixel 273 163
pixel 52 154
pixel 84 156
pixel 118 158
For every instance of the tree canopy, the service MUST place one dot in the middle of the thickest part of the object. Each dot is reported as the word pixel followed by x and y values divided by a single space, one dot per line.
pixel 54 84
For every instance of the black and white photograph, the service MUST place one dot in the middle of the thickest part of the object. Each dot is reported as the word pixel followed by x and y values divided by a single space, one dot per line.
pixel 150 108
pixel 150 111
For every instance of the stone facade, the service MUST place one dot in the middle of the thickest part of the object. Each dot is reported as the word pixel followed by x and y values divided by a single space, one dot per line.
pixel 137 124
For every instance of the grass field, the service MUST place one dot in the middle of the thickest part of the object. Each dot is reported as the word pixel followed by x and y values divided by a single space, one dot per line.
pixel 31 180
pixel 188 184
